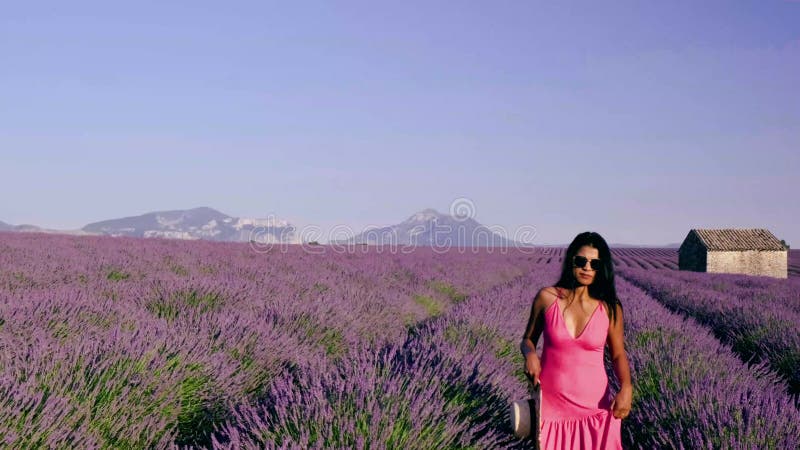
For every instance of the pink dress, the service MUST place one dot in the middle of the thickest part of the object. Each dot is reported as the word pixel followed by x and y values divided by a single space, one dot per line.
pixel 576 397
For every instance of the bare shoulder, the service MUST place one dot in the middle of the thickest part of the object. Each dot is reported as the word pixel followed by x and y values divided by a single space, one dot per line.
pixel 546 296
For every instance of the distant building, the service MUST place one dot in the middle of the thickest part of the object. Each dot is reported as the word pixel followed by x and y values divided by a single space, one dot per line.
pixel 750 251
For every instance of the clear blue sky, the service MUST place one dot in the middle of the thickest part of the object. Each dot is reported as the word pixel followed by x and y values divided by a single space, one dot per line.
pixel 639 120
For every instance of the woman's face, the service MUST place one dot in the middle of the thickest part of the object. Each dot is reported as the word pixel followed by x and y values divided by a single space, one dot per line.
pixel 585 275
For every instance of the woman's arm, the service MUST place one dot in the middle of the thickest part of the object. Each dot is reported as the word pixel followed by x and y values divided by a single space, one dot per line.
pixel 621 405
pixel 616 343
pixel 535 325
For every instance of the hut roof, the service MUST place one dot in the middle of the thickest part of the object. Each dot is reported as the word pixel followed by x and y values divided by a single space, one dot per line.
pixel 733 239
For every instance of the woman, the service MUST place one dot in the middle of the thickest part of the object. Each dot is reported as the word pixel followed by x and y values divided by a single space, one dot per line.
pixel 578 316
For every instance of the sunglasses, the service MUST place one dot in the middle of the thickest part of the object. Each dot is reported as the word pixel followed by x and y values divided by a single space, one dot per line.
pixel 580 261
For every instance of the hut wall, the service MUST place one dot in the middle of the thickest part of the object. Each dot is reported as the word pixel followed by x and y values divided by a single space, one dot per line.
pixel 771 263
pixel 692 256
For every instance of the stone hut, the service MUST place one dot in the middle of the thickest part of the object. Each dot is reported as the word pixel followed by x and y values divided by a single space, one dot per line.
pixel 750 251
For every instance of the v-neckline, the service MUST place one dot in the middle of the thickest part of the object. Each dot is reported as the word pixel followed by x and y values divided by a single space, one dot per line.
pixel 588 322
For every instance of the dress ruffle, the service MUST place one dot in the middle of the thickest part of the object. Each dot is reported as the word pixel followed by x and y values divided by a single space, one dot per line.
pixel 599 431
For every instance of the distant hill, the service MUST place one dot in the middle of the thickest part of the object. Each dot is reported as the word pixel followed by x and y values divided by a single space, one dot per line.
pixel 429 227
pixel 35 229
pixel 197 223
pixel 24 227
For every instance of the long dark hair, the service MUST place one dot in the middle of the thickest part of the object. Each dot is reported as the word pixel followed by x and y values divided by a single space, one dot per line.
pixel 602 288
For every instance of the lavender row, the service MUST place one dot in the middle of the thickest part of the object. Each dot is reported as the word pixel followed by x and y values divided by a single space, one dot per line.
pixel 691 391
pixel 756 330
pixel 439 389
pixel 77 379
pixel 767 291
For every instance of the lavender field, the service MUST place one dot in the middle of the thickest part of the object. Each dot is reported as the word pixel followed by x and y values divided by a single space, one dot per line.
pixel 148 343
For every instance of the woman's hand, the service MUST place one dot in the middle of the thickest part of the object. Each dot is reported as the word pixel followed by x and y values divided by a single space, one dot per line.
pixel 532 367
pixel 621 406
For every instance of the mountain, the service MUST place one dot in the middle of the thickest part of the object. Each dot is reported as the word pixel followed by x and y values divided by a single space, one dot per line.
pixel 35 229
pixel 197 223
pixel 429 227
pixel 24 227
